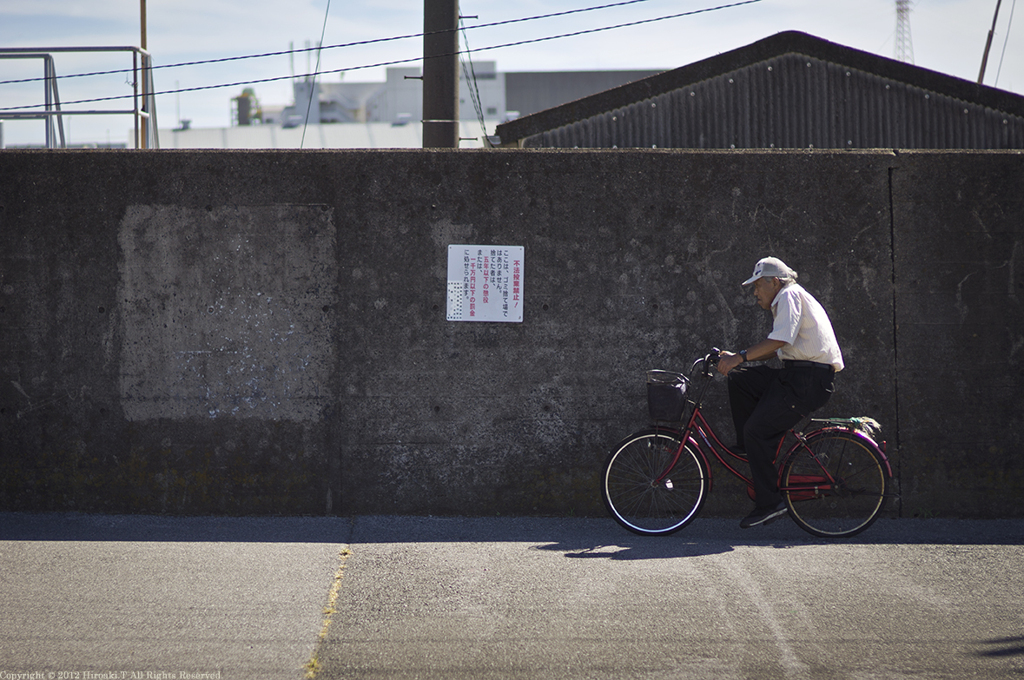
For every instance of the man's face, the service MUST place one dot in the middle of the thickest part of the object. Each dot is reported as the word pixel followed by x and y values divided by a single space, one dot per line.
pixel 765 290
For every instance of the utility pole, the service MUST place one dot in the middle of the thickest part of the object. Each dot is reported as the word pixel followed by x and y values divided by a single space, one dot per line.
pixel 441 74
pixel 988 43
pixel 142 17
pixel 145 76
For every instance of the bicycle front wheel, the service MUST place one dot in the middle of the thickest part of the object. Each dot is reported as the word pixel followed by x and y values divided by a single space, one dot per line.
pixel 647 489
pixel 835 484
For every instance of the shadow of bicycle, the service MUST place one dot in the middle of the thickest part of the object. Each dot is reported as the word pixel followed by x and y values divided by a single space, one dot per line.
pixel 1002 647
pixel 653 548
pixel 639 551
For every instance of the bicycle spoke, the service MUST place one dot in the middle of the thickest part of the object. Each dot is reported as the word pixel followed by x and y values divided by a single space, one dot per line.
pixel 835 484
pixel 641 491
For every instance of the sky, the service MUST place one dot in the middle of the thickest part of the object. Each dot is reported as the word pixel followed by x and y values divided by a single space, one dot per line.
pixel 947 36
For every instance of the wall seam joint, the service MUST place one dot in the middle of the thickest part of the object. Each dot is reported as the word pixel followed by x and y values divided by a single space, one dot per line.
pixel 898 475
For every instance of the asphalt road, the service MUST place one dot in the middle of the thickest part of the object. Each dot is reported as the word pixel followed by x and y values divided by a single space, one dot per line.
pixel 404 597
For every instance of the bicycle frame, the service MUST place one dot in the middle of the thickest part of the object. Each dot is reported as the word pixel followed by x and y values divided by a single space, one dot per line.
pixel 699 433
pixel 834 478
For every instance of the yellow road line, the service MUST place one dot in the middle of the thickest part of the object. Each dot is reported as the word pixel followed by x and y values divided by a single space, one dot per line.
pixel 313 666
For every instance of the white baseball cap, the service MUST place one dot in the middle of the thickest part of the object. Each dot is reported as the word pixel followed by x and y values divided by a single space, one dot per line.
pixel 770 267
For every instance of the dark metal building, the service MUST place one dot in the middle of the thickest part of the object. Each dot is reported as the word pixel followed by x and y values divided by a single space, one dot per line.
pixel 791 90
pixel 528 92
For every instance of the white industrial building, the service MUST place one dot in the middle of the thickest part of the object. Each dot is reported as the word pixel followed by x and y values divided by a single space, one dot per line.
pixel 387 115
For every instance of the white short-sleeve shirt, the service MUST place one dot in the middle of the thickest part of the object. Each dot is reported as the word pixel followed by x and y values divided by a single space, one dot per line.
pixel 802 323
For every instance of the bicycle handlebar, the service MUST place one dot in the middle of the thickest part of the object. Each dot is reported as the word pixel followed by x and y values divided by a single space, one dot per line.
pixel 706 362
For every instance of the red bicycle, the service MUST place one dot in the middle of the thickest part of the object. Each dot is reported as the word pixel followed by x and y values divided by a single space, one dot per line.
pixel 834 479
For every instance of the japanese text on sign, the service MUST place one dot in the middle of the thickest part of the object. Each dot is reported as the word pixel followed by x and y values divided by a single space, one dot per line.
pixel 485 283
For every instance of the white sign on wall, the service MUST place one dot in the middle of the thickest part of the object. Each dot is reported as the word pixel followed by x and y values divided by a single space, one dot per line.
pixel 485 283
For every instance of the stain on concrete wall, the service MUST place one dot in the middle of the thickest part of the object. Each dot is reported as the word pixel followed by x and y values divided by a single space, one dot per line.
pixel 225 311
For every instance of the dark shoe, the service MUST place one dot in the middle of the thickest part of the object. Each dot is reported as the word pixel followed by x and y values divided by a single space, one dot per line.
pixel 764 515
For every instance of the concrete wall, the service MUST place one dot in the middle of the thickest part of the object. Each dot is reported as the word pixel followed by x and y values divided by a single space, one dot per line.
pixel 959 265
pixel 265 332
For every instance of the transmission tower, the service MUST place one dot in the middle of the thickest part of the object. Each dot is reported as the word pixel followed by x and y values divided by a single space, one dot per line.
pixel 904 45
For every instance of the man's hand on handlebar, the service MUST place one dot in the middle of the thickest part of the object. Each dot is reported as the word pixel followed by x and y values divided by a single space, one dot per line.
pixel 728 361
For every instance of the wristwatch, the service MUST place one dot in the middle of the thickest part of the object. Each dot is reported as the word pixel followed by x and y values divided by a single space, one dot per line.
pixel 743 355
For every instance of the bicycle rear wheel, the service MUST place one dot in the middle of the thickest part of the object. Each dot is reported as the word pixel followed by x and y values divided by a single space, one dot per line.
pixel 645 492
pixel 835 485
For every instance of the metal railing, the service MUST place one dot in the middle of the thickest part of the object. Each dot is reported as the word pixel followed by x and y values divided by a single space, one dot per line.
pixel 143 97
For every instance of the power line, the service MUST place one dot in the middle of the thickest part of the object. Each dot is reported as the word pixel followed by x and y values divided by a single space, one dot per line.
pixel 312 84
pixel 1005 40
pixel 474 90
pixel 395 62
pixel 359 43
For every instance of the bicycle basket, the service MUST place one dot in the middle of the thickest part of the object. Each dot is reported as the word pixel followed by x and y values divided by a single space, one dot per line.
pixel 666 395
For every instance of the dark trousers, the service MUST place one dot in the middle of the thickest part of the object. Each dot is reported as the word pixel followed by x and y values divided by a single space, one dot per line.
pixel 766 402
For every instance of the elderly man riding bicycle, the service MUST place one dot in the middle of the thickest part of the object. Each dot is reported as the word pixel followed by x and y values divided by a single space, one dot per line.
pixel 766 402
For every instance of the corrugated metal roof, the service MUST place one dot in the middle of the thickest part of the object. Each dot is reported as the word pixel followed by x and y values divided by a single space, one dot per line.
pixel 834 98
pixel 794 101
